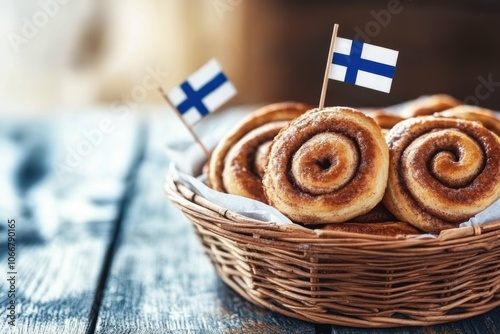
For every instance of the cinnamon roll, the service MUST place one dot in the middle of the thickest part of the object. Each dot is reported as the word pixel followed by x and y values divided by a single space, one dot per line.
pixel 237 163
pixel 473 113
pixel 442 171
pixel 428 105
pixel 327 166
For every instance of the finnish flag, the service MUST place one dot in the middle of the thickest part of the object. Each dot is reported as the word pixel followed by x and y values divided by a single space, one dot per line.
pixel 363 64
pixel 203 92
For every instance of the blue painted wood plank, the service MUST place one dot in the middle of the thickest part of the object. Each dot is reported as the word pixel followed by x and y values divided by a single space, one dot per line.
pixel 65 221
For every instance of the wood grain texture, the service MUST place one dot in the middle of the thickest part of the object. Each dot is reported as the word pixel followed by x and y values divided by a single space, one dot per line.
pixel 161 282
pixel 64 224
pixel 56 282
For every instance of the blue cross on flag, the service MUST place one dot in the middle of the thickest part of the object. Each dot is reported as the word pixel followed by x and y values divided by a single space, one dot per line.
pixel 363 64
pixel 203 92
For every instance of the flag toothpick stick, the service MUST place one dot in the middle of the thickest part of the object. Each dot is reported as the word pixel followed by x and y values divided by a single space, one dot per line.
pixel 328 64
pixel 198 141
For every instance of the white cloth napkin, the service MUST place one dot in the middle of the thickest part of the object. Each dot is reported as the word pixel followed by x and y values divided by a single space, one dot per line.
pixel 244 206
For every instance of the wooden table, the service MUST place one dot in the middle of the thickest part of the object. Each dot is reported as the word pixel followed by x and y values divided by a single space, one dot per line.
pixel 133 265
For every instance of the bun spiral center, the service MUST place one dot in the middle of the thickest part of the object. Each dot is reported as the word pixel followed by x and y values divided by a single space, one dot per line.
pixel 325 163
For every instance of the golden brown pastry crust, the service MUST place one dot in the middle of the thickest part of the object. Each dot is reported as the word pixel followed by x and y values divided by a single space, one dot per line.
pixel 384 119
pixel 473 113
pixel 376 215
pixel 245 162
pixel 428 105
pixel 227 160
pixel 328 165
pixel 442 171
pixel 388 228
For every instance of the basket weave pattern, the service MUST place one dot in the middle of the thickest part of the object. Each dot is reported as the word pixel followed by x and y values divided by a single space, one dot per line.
pixel 345 278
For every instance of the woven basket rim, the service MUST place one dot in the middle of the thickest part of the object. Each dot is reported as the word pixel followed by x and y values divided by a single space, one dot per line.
pixel 178 192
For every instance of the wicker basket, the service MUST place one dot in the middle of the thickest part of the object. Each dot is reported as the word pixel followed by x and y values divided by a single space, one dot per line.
pixel 349 279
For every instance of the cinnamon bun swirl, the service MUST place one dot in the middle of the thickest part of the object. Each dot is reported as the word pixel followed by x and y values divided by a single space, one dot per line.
pixel 327 166
pixel 442 171
pixel 237 162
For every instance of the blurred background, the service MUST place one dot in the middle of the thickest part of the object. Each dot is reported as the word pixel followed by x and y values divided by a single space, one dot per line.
pixel 87 52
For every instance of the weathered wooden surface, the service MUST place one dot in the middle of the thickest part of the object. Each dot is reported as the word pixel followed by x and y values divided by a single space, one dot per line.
pixel 65 221
pixel 56 283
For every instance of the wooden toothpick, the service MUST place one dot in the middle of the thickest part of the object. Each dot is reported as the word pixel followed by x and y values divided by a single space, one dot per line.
pixel 198 141
pixel 328 64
